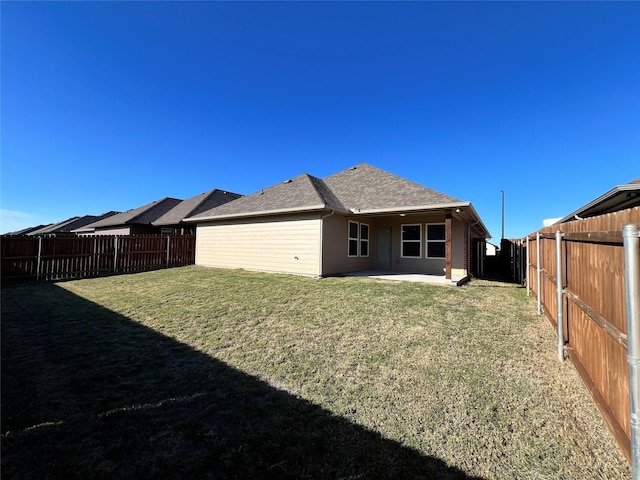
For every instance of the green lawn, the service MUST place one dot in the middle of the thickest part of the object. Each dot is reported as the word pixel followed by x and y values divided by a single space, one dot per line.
pixel 206 373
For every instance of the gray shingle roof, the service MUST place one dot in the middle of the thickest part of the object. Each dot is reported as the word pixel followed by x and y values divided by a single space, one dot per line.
pixel 361 189
pixel 194 205
pixel 54 227
pixel 26 231
pixel 72 224
pixel 302 193
pixel 366 188
pixel 141 215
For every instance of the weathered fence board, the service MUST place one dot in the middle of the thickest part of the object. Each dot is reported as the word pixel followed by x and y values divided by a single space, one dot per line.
pixel 593 306
pixel 58 258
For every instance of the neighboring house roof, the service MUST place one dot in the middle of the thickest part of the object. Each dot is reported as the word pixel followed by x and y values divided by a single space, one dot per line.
pixel 71 224
pixel 194 205
pixel 618 198
pixel 141 215
pixel 362 189
pixel 26 231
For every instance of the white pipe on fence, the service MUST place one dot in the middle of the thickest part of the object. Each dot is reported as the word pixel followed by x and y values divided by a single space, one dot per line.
pixel 168 240
pixel 39 259
pixel 559 322
pixel 631 239
pixel 115 254
pixel 526 272
pixel 538 262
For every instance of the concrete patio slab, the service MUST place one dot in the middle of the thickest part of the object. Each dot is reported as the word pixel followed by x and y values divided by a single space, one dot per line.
pixel 408 277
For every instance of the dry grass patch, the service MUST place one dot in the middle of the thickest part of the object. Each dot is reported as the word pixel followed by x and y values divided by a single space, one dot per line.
pixel 218 373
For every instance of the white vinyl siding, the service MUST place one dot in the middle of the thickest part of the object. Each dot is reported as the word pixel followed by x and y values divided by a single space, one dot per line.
pixel 287 246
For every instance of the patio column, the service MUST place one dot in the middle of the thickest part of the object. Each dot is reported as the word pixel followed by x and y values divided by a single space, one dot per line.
pixel 447 243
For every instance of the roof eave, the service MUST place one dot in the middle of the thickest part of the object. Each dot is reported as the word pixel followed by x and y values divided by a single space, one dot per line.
pixel 601 199
pixel 426 208
pixel 264 213
pixel 410 209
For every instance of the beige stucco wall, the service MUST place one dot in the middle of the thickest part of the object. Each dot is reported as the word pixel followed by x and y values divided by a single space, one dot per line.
pixel 335 246
pixel 113 231
pixel 291 244
pixel 458 249
pixel 287 244
pixel 335 257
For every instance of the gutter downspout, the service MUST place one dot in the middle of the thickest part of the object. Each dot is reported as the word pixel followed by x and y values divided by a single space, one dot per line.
pixel 321 257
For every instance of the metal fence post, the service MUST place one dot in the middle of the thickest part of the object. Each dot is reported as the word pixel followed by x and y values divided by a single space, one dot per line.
pixel 39 260
pixel 538 262
pixel 631 239
pixel 168 251
pixel 115 254
pixel 559 322
pixel 526 271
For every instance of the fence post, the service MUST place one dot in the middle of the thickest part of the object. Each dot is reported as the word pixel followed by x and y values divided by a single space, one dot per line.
pixel 538 261
pixel 526 272
pixel 559 322
pixel 167 251
pixel 115 254
pixel 515 258
pixel 95 256
pixel 39 260
pixel 631 239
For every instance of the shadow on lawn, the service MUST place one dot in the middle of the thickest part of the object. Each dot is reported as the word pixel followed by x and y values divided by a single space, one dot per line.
pixel 88 393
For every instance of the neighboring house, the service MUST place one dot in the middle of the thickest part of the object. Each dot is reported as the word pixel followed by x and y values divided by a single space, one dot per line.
pixel 66 226
pixel 172 222
pixel 25 231
pixel 358 219
pixel 132 222
pixel 492 250
pixel 618 198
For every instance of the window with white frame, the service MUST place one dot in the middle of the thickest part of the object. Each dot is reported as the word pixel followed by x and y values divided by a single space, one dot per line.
pixel 358 239
pixel 364 240
pixel 353 239
pixel 411 241
pixel 435 240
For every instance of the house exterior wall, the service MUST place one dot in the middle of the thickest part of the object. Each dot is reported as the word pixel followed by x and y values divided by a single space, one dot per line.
pixel 458 248
pixel 285 244
pixel 112 231
pixel 335 246
pixel 125 230
pixel 335 258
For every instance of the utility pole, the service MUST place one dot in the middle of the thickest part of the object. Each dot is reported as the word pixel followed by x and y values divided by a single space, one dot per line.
pixel 502 191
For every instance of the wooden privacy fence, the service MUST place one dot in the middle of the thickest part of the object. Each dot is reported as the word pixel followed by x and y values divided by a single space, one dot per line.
pixel 57 258
pixel 593 314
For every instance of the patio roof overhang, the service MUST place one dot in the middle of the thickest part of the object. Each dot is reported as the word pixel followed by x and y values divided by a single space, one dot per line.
pixel 462 210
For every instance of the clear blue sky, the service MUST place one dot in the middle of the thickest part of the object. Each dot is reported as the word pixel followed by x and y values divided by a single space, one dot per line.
pixel 109 106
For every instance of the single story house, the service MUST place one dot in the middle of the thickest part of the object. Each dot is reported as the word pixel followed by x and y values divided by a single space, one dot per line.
pixel 492 250
pixel 25 231
pixel 618 198
pixel 172 222
pixel 66 226
pixel 132 222
pixel 358 219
